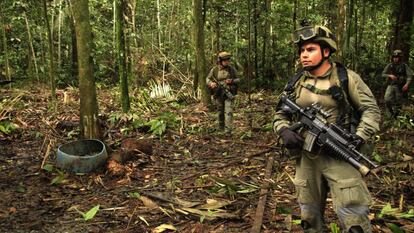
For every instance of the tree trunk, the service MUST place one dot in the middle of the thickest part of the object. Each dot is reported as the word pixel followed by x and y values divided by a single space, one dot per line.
pixel 346 53
pixel 29 38
pixel 89 123
pixel 255 22
pixel 266 30
pixel 51 52
pixel 74 49
pixel 341 28
pixel 199 47
pixel 159 24
pixel 403 28
pixel 60 21
pixel 120 52
pixel 5 46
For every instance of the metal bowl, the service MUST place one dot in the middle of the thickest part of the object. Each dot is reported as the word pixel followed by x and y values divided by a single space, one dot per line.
pixel 82 156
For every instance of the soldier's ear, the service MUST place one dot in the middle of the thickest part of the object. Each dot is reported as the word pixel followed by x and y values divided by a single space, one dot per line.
pixel 326 52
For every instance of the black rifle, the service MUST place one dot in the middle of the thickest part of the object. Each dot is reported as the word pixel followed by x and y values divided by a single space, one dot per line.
pixel 221 88
pixel 330 136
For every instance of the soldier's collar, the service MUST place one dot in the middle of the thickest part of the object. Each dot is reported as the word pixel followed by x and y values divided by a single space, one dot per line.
pixel 326 75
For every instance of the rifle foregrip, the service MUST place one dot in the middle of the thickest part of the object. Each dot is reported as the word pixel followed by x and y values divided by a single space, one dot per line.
pixel 344 156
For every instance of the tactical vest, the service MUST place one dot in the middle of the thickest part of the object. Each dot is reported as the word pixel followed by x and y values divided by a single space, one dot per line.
pixel 346 107
pixel 233 88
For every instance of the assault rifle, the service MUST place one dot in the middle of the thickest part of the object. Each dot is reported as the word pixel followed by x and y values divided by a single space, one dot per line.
pixel 222 87
pixel 330 136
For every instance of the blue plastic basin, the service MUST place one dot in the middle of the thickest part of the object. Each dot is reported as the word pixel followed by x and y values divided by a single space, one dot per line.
pixel 82 156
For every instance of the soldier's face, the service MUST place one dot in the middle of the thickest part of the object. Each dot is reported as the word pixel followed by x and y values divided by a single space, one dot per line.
pixel 310 54
pixel 396 59
pixel 225 62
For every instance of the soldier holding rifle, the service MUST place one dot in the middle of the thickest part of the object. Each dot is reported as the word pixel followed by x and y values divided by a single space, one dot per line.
pixel 347 102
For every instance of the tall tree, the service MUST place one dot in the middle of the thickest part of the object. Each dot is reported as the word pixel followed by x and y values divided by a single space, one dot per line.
pixel 5 46
pixel 341 28
pixel 89 123
pixel 30 41
pixel 51 52
pixel 199 50
pixel 120 52
pixel 403 26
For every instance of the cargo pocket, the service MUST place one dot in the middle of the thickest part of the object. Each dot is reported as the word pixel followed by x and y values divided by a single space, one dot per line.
pixel 303 191
pixel 351 192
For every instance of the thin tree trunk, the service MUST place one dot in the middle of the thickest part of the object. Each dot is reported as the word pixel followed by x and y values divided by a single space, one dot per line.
pixel 120 51
pixel 255 22
pixel 267 7
pixel 349 29
pixel 89 122
pixel 60 21
pixel 355 32
pixel 5 46
pixel 51 51
pixel 29 37
pixel 199 47
pixel 159 24
pixel 341 28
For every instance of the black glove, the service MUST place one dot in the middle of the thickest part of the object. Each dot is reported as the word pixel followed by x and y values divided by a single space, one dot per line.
pixel 291 139
pixel 358 142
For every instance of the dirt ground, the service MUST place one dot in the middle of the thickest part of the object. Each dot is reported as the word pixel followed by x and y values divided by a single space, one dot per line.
pixel 190 166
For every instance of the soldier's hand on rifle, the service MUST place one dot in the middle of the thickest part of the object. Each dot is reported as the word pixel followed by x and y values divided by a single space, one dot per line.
pixel 392 77
pixel 405 88
pixel 212 85
pixel 229 81
pixel 358 142
pixel 291 139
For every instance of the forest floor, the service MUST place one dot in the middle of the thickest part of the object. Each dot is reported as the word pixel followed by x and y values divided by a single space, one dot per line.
pixel 192 178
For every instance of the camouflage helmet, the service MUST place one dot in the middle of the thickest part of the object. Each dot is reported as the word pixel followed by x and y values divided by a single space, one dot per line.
pixel 223 56
pixel 318 34
pixel 397 53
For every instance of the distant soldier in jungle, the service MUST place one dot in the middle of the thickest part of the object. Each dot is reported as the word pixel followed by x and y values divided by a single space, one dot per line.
pixel 399 76
pixel 349 102
pixel 222 82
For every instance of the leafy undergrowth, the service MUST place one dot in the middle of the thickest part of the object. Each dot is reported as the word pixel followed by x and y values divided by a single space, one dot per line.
pixel 195 180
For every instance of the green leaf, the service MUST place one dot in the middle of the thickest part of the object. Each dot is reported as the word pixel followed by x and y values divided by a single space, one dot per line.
pixel 394 228
pixel 334 228
pixel 134 194
pixel 91 213
pixel 388 210
pixel 48 167
pixel 58 179
pixel 296 222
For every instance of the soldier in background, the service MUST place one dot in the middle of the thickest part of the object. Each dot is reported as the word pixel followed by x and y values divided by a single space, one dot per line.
pixel 399 76
pixel 222 81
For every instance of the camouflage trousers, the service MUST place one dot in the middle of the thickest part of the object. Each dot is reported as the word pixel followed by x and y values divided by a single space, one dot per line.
pixel 315 176
pixel 225 113
pixel 393 100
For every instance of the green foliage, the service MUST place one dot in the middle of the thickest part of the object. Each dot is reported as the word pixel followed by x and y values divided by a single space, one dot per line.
pixel 334 228
pixel 90 214
pixel 394 228
pixel 387 210
pixel 160 124
pixel 7 127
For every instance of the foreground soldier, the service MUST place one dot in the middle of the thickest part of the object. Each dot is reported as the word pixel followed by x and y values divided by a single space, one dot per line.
pixel 398 75
pixel 222 81
pixel 317 173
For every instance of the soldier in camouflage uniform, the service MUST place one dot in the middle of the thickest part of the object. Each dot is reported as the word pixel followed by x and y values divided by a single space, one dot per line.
pixel 317 173
pixel 399 76
pixel 222 81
